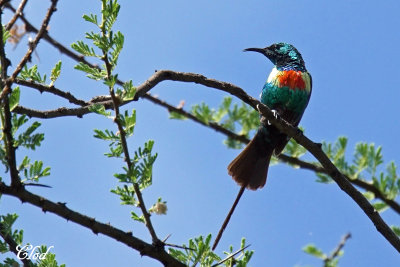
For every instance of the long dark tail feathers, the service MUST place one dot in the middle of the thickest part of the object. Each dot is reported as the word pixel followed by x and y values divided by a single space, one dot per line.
pixel 228 217
pixel 250 167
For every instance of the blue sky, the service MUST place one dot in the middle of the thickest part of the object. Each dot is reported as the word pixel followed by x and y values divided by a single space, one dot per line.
pixel 351 50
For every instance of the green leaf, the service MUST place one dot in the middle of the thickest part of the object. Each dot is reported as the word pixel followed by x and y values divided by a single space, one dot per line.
pixel 324 178
pixel 14 98
pixel 369 195
pixel 49 260
pixel 32 74
pixel 396 230
pixel 222 110
pixel 202 112
pixel 314 251
pixel 129 122
pixel 100 41
pixel 176 116
pixel 55 72
pixel 129 91
pixel 35 171
pixel 99 109
pixel 137 218
pixel 84 49
pixel 380 206
pixel 294 149
pixel 26 139
pixel 92 72
pixel 92 18
pixel 106 135
pixel 109 10
pixel 111 81
pixel 6 35
pixel 118 43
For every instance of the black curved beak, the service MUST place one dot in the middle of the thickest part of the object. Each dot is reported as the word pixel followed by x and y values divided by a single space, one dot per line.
pixel 259 50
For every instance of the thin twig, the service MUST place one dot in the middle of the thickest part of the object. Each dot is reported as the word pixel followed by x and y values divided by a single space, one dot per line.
pixel 30 28
pixel 336 252
pixel 122 136
pixel 17 13
pixel 231 256
pixel 12 244
pixel 53 90
pixel 32 47
pixel 2 2
pixel 61 210
pixel 178 246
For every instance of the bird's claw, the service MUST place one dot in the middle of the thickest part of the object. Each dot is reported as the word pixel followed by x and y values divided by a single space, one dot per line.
pixel 265 121
pixel 276 115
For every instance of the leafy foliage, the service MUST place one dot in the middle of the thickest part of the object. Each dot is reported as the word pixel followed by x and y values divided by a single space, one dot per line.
pixel 32 74
pixel 55 72
pixel 199 252
pixel 49 260
pixel 230 116
pixel 328 261
pixel 365 166
pixel 6 35
pixel 6 223
pixel 14 98
pixel 138 172
pixel 33 171
pixel 28 139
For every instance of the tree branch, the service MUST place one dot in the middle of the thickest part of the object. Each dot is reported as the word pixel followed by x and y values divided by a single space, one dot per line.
pixel 12 244
pixel 53 90
pixel 336 252
pixel 334 173
pixel 32 46
pixel 286 128
pixel 17 13
pixel 122 136
pixel 64 50
pixel 283 126
pixel 189 77
pixel 6 115
pixel 61 210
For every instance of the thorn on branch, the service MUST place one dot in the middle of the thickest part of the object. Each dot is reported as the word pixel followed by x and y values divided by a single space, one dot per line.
pixel 318 145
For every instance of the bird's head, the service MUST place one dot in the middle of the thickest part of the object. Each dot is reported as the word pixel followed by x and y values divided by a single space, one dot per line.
pixel 281 54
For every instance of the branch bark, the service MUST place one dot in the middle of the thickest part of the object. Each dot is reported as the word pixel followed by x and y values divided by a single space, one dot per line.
pixel 145 249
pixel 143 90
pixel 17 13
pixel 32 47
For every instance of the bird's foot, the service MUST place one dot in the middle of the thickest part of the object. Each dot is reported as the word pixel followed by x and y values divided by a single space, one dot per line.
pixel 276 115
pixel 265 121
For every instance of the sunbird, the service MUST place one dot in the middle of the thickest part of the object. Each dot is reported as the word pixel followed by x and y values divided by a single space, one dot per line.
pixel 287 93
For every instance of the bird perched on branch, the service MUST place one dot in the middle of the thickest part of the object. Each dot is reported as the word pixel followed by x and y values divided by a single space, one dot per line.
pixel 286 92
